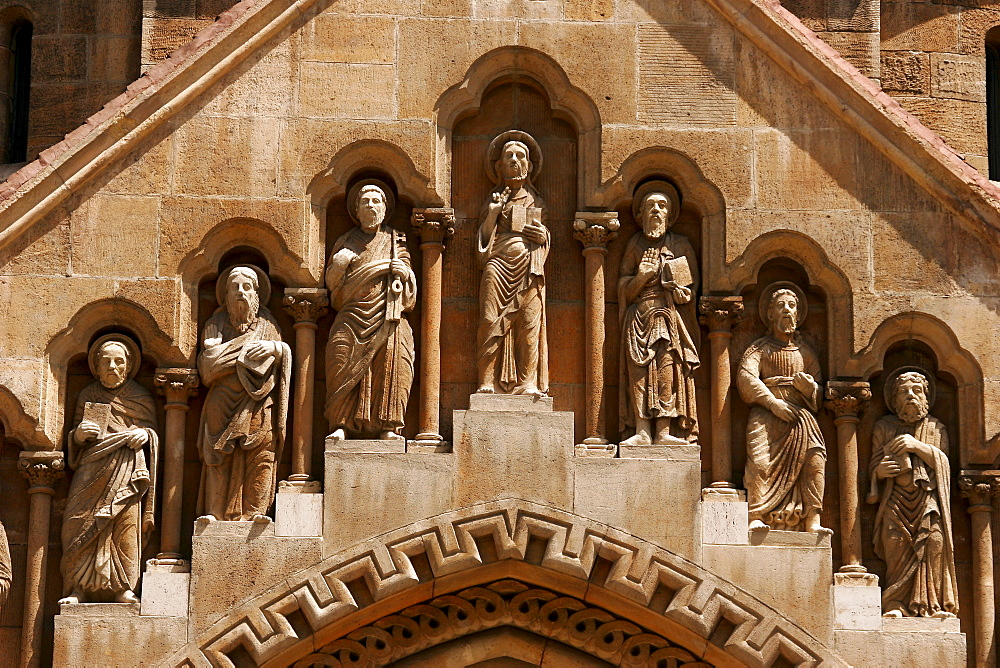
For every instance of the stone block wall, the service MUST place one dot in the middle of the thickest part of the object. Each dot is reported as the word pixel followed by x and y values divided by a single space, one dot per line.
pixel 168 24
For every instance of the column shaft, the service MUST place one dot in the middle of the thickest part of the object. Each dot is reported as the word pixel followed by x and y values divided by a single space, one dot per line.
pixel 850 526
pixel 594 257
pixel 430 336
pixel 722 382
pixel 176 385
pixel 982 578
pixel 305 381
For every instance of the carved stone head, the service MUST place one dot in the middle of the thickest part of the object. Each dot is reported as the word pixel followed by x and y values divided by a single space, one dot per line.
pixel 242 297
pixel 782 308
pixel 371 207
pixel 656 206
pixel 514 158
pixel 113 359
pixel 909 395
pixel 514 163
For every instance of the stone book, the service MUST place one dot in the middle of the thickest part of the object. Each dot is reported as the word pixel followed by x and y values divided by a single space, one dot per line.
pixel 678 270
pixel 99 414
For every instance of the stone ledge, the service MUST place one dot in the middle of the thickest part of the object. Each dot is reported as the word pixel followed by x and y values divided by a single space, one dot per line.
pixel 510 402
pixel 774 538
pixel 921 625
pixel 99 609
pixel 689 452
pixel 365 446
pixel 229 529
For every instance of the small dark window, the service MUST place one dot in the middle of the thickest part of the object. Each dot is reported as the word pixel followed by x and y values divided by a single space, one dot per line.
pixel 20 87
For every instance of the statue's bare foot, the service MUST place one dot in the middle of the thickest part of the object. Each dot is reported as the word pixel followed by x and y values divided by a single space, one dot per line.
pixel 391 436
pixel 127 596
pixel 72 599
pixel 260 519
pixel 337 435
pixel 813 526
pixel 895 613
pixel 205 520
pixel 758 525
pixel 486 389
pixel 640 438
pixel 943 614
pixel 667 439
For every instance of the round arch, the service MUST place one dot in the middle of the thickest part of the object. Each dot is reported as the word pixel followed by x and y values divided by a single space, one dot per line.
pixel 497 551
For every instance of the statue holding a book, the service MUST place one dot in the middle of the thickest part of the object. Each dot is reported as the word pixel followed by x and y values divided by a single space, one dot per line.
pixel 659 276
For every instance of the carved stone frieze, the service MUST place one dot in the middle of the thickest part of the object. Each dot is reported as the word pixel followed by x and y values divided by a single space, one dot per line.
pixel 433 225
pixel 510 603
pixel 42 469
pixel 306 304
pixel 568 547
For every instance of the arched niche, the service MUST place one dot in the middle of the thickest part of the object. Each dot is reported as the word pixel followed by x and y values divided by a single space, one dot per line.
pixel 566 100
pixel 928 339
pixel 18 426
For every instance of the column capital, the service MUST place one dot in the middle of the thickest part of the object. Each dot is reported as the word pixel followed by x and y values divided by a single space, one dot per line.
pixel 847 398
pixel 433 225
pixel 41 469
pixel 979 487
pixel 177 384
pixel 306 304
pixel 720 312
pixel 596 229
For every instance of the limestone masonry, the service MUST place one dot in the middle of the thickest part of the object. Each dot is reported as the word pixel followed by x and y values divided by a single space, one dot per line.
pixel 499 333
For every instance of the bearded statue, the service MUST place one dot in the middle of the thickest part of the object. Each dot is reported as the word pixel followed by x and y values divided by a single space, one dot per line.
pixel 911 482
pixel 247 369
pixel 786 454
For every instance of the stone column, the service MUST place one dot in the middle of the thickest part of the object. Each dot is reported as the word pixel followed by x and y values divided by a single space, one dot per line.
pixel 979 487
pixel 42 470
pixel 176 385
pixel 595 231
pixel 306 305
pixel 847 399
pixel 434 226
pixel 720 314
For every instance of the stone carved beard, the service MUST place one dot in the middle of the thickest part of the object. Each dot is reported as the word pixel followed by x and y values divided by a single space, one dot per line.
pixel 786 324
pixel 242 310
pixel 913 409
pixel 371 218
pixel 655 224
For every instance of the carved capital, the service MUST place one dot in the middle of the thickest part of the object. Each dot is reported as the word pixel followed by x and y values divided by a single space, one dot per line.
pixel 41 469
pixel 979 487
pixel 433 225
pixel 720 313
pixel 176 384
pixel 847 398
pixel 596 230
pixel 306 304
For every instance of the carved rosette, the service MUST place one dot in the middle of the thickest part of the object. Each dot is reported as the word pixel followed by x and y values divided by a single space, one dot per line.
pixel 306 304
pixel 596 230
pixel 846 398
pixel 720 313
pixel 176 384
pixel 42 469
pixel 979 487
pixel 434 225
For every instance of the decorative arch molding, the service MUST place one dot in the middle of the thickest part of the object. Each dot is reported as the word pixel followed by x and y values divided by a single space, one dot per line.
pixel 570 556
pixel 954 360
pixel 358 156
pixel 19 426
pixel 697 193
pixel 512 62
pixel 73 339
pixel 822 273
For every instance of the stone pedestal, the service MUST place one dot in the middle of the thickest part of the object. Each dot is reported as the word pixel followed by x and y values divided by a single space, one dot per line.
pixel 724 516
pixel 857 602
pixel 165 589
pixel 790 570
pixel 89 634
pixel 376 486
pixel 904 643
pixel 513 446
pixel 232 561
pixel 298 509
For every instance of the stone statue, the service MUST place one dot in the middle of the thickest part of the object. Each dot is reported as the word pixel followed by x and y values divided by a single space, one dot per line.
pixel 247 369
pixel 513 245
pixel 786 454
pixel 659 275
pixel 913 524
pixel 5 570
pixel 114 451
pixel 370 355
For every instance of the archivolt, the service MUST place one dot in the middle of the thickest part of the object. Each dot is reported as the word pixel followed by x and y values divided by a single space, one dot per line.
pixel 650 590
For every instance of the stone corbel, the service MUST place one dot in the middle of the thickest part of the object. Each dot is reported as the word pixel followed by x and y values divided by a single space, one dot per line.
pixel 434 226
pixel 595 230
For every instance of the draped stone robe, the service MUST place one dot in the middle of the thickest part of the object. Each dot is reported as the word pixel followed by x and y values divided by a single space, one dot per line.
pixel 369 356
pixel 242 428
pixel 779 490
pixel 913 531
pixel 111 499
pixel 658 339
pixel 512 324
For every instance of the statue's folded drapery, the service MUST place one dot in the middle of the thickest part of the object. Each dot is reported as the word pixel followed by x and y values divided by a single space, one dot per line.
pixel 913 532
pixel 110 506
pixel 370 354
pixel 243 420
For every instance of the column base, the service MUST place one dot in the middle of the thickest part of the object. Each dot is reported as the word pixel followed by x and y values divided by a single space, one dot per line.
pixel 428 443
pixel 298 512
pixel 168 562
pixel 857 601
pixel 165 588
pixel 592 447
pixel 724 517
pixel 295 485
pixel 722 491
